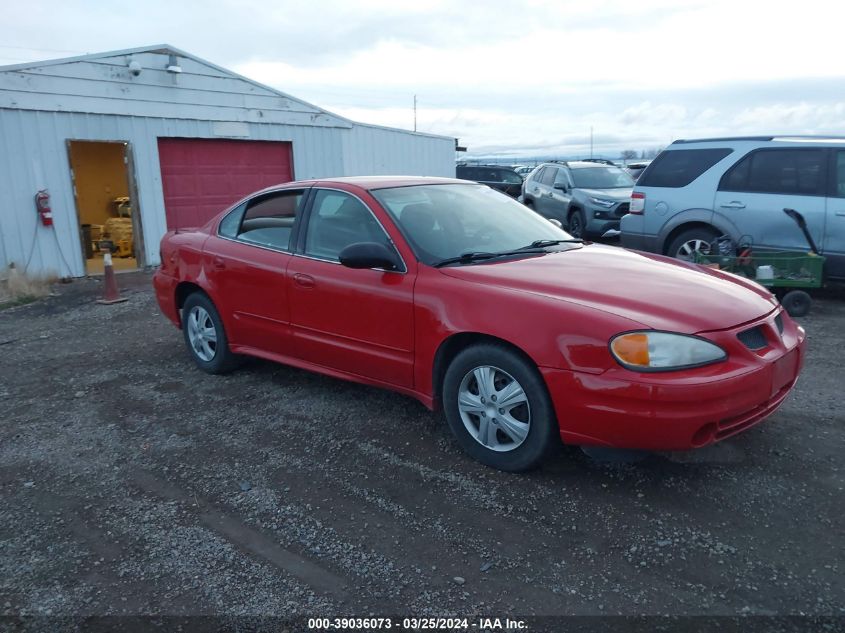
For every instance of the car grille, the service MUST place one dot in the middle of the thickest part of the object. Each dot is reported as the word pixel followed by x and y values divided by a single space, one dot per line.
pixel 779 323
pixel 753 339
pixel 622 209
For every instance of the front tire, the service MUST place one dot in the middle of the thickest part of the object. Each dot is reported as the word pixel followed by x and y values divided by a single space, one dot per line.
pixel 205 336
pixel 498 408
pixel 577 224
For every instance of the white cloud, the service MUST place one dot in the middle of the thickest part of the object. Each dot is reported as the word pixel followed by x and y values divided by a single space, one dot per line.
pixel 502 75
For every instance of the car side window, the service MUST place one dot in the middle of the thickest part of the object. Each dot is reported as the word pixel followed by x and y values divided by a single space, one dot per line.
pixel 269 218
pixel 231 222
pixel 538 174
pixel 562 178
pixel 839 183
pixel 786 171
pixel 510 177
pixel 549 176
pixel 338 219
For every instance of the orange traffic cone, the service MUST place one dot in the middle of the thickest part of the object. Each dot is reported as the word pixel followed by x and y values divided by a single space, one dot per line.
pixel 110 292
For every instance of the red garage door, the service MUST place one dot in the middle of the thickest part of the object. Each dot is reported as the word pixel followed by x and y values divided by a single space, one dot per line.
pixel 201 177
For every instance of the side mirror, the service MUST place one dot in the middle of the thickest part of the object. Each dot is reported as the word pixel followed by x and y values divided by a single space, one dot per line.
pixel 556 222
pixel 562 187
pixel 369 255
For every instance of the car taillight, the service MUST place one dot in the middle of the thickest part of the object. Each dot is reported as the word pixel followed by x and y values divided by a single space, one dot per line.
pixel 637 203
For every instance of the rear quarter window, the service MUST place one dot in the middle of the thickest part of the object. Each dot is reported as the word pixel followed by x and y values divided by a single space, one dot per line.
pixel 678 168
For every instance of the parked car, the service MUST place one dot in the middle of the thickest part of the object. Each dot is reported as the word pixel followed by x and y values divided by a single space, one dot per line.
pixel 636 169
pixel 586 197
pixel 524 170
pixel 698 190
pixel 504 179
pixel 459 296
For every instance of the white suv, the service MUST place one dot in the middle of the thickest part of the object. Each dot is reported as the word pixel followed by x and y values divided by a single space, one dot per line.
pixel 696 191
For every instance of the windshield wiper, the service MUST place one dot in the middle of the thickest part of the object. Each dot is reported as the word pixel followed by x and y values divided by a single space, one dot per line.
pixel 545 243
pixel 465 258
pixel 468 258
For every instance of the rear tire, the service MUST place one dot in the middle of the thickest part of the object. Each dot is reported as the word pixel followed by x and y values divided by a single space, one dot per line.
pixel 498 408
pixel 796 303
pixel 687 242
pixel 205 336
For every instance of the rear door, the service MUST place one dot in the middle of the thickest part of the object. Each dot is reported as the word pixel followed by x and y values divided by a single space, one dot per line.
pixel 542 191
pixel 352 320
pixel 833 244
pixel 755 191
pixel 246 263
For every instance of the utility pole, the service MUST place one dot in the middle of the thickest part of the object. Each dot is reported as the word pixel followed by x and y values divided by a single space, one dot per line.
pixel 591 141
pixel 415 113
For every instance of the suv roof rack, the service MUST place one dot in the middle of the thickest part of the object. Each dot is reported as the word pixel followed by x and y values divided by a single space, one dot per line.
pixel 722 138
pixel 781 137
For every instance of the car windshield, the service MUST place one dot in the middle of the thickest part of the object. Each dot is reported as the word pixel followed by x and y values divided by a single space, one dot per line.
pixel 606 177
pixel 446 221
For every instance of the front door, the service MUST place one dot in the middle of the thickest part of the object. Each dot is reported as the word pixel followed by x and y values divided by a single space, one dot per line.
pixel 356 321
pixel 753 194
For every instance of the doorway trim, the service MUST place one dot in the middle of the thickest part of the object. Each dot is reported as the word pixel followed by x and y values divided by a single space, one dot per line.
pixel 132 186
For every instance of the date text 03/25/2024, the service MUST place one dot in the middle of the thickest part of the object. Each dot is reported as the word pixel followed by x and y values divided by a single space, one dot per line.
pixel 415 624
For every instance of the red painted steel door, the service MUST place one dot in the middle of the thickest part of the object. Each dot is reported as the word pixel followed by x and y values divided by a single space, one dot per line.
pixel 200 177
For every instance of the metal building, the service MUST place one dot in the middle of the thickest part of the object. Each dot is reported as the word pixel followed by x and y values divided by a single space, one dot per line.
pixel 130 143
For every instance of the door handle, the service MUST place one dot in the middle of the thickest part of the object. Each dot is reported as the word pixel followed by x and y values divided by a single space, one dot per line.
pixel 841 214
pixel 733 205
pixel 218 263
pixel 304 281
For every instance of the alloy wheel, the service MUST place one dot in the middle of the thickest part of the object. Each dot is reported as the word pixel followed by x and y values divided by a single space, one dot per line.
pixel 689 248
pixel 494 408
pixel 202 334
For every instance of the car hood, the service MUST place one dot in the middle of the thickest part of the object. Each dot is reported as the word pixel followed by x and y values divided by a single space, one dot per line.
pixel 655 291
pixel 609 194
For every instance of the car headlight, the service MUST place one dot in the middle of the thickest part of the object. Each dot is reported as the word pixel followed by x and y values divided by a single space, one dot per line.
pixel 602 203
pixel 663 351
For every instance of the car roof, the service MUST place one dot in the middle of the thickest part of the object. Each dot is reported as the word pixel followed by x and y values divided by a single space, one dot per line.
pixel 579 164
pixel 368 182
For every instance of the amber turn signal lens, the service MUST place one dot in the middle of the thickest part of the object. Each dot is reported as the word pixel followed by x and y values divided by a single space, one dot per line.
pixel 632 349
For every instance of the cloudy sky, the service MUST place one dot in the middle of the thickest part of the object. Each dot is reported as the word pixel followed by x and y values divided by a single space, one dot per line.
pixel 509 78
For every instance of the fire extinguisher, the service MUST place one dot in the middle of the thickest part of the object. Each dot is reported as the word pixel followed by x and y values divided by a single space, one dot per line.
pixel 42 205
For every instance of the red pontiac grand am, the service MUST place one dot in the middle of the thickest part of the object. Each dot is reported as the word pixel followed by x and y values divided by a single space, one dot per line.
pixel 459 296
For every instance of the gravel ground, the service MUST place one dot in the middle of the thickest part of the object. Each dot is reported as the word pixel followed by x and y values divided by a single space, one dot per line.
pixel 132 483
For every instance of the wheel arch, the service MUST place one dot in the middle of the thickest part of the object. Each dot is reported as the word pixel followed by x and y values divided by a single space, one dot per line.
pixel 676 231
pixel 451 346
pixel 183 290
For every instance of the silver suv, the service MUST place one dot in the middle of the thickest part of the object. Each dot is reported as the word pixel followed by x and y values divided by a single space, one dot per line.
pixel 696 191
pixel 587 198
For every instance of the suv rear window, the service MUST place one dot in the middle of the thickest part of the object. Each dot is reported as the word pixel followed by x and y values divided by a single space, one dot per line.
pixel 679 167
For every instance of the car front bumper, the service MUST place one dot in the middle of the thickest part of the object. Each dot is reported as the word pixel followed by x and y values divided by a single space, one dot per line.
pixel 670 411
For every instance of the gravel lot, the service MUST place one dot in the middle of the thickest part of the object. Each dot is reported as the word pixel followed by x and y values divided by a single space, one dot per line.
pixel 132 483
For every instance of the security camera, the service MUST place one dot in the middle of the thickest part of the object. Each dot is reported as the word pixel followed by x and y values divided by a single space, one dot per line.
pixel 134 68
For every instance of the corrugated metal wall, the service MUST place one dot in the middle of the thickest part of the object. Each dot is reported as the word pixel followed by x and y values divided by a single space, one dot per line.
pixel 96 98
pixel 35 157
pixel 371 150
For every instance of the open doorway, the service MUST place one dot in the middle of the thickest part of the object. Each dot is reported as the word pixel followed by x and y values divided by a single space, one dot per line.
pixel 104 191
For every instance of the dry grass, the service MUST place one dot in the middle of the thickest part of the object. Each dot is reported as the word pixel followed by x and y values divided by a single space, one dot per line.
pixel 18 288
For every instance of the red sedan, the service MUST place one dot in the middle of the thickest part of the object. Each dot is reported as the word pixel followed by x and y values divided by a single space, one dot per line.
pixel 459 296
